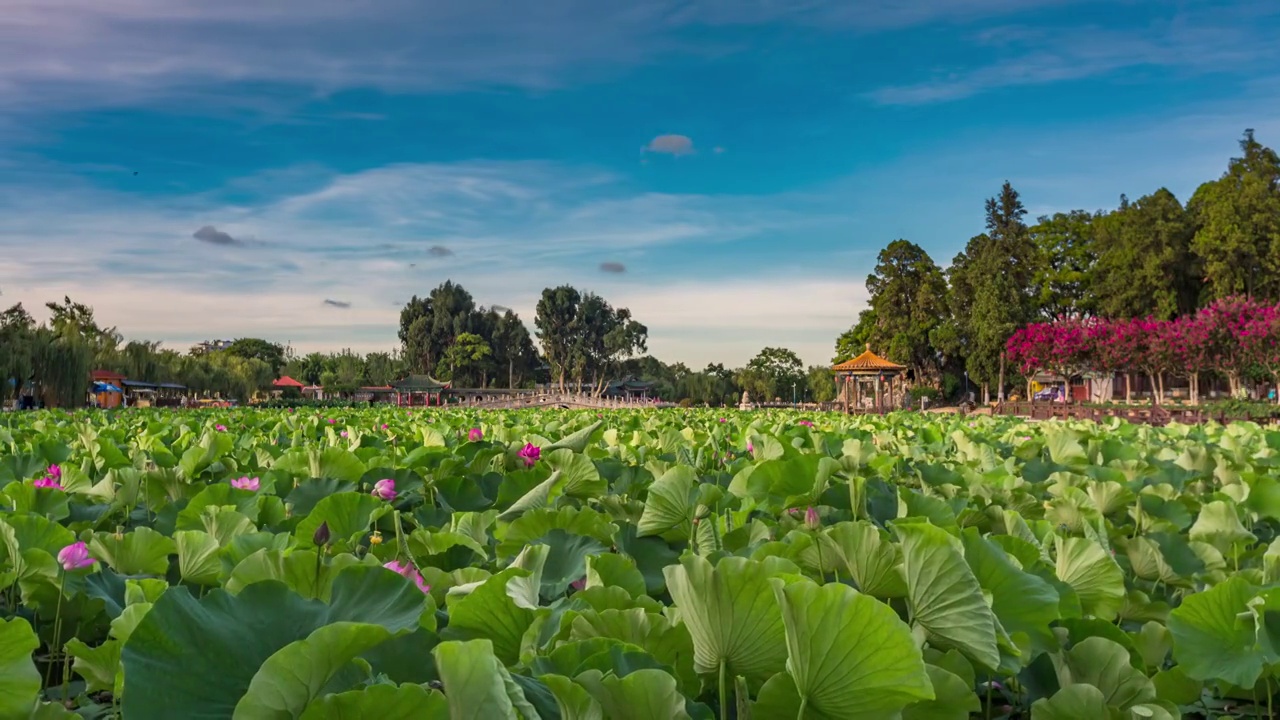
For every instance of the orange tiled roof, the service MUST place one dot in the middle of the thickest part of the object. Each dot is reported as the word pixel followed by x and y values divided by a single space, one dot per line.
pixel 868 362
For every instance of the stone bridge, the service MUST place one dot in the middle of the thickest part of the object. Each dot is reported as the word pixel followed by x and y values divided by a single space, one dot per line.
pixel 512 400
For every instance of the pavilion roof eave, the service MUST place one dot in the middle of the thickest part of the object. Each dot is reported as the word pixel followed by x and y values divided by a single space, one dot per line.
pixel 868 363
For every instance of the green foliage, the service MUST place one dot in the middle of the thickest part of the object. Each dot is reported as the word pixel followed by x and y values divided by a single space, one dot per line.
pixel 644 565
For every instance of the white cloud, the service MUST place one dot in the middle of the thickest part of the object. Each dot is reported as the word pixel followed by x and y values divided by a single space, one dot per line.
pixel 372 239
pixel 120 52
pixel 670 145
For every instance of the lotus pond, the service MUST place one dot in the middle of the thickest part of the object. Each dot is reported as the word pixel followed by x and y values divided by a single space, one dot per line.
pixel 640 565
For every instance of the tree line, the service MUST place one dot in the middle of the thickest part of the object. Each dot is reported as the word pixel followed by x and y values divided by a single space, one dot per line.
pixel 1152 257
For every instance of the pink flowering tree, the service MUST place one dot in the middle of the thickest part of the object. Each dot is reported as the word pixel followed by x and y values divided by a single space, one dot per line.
pixel 1060 347
pixel 1260 341
pixel 1225 336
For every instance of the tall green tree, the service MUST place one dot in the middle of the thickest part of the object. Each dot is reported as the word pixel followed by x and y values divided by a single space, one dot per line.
pixel 821 383
pixel 513 350
pixel 268 352
pixel 772 373
pixel 908 299
pixel 1238 239
pixel 1144 262
pixel 1067 256
pixel 995 280
pixel 415 331
pixel 555 320
pixel 463 359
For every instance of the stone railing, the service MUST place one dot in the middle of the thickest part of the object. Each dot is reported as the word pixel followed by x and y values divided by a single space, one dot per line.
pixel 573 400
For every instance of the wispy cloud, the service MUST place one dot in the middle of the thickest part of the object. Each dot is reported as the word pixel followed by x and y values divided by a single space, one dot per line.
pixel 439 251
pixel 114 52
pixel 1197 40
pixel 526 226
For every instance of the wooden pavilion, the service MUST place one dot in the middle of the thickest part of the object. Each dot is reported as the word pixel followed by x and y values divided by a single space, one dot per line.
pixel 415 386
pixel 882 375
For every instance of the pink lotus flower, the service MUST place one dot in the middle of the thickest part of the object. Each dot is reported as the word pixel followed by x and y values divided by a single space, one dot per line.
pixel 384 426
pixel 245 483
pixel 476 435
pixel 332 421
pixel 48 482
pixel 751 448
pixel 55 472
pixel 811 519
pixel 806 423
pixel 385 489
pixel 75 556
pixel 220 428
pixel 530 453
pixel 344 433
pixel 721 419
pixel 579 584
pixel 410 572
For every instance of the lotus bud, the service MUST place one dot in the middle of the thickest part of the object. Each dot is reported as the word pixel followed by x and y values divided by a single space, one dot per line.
pixel 811 519
pixel 322 534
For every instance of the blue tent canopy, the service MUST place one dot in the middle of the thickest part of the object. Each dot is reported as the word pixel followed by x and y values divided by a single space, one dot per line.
pixel 101 387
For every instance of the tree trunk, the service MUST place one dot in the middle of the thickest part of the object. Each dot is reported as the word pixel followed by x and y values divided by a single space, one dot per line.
pixel 1000 385
pixel 1160 396
pixel 1155 392
pixel 1128 389
pixel 511 374
pixel 986 393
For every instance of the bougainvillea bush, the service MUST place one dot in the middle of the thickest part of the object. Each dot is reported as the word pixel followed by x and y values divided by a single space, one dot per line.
pixel 380 563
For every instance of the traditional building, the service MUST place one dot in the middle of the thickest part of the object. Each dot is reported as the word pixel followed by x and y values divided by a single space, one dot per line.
pixel 881 377
pixel 419 390
pixel 630 387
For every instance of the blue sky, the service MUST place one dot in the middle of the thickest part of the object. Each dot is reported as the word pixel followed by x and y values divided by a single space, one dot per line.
pixel 197 169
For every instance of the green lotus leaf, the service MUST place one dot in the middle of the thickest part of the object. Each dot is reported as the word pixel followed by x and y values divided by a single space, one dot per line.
pixel 488 611
pixel 954 698
pixel 849 657
pixel 641 695
pixel 473 681
pixel 535 524
pixel 297 569
pixel 1215 637
pixel 331 462
pixel 1092 573
pixel 33 532
pixel 945 597
pixel 349 516
pixel 577 441
pixel 542 495
pixel 217 496
pixel 198 557
pixel 141 551
pixel 19 678
pixel 236 634
pixel 1105 665
pixel 1219 525
pixel 1075 702
pixel 303 497
pixel 581 478
pixel 614 570
pixel 670 503
pixel 869 558
pixel 296 674
pixel 573 700
pixel 732 614
pixel 385 702
pixel 1022 602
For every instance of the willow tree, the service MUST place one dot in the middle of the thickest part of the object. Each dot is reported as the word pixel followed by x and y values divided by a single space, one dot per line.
pixel 60 365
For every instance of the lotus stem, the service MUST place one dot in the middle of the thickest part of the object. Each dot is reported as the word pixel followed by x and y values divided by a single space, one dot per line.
pixel 723 693
pixel 804 702
pixel 57 629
